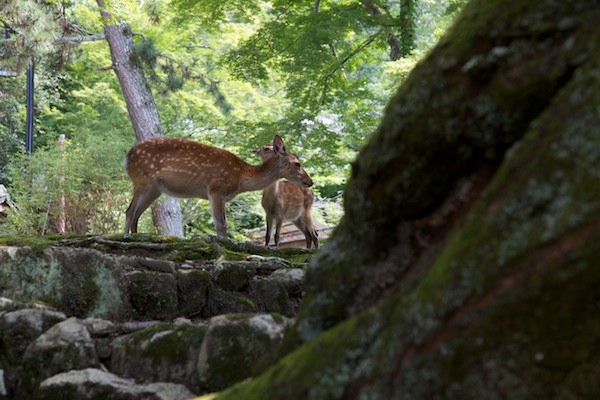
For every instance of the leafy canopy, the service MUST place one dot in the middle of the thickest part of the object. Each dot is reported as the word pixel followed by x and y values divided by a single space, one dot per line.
pixel 224 72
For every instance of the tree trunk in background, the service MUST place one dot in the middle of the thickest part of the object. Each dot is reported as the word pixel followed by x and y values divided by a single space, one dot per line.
pixel 467 264
pixel 141 107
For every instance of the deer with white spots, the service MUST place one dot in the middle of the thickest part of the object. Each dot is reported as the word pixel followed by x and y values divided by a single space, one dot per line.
pixel 286 201
pixel 185 168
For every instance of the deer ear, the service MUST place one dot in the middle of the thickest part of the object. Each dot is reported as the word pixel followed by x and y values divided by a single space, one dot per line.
pixel 278 145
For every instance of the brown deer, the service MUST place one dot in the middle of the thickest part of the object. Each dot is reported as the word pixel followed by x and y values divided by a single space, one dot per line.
pixel 286 201
pixel 184 168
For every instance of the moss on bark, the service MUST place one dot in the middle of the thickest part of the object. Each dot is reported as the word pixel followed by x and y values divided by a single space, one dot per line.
pixel 507 306
pixel 458 113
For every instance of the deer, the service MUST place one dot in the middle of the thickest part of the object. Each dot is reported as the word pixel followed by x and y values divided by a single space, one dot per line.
pixel 287 201
pixel 184 168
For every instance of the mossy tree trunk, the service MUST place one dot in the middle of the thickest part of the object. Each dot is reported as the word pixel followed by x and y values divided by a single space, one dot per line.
pixel 466 265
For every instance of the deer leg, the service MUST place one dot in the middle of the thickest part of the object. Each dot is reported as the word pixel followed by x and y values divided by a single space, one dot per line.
pixel 305 224
pixel 217 207
pixel 278 222
pixel 269 228
pixel 314 237
pixel 301 225
pixel 140 202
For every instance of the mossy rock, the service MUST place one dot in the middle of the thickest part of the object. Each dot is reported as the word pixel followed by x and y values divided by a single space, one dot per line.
pixel 233 276
pixel 20 327
pixel 237 347
pixel 271 295
pixel 80 282
pixel 65 346
pixel 223 302
pixel 153 295
pixel 162 353
pixel 193 287
pixel 96 384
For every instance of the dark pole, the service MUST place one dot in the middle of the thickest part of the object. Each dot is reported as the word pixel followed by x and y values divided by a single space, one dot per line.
pixel 30 105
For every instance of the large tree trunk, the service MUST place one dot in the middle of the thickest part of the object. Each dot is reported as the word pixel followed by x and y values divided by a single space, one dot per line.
pixel 141 107
pixel 467 263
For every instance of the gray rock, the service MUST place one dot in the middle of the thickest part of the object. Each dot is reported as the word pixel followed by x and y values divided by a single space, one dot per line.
pixel 100 327
pixel 164 352
pixel 65 346
pixel 271 296
pixel 193 287
pixel 80 282
pixel 233 276
pixel 291 278
pixel 93 383
pixel 20 327
pixel 269 262
pixel 237 347
pixel 224 302
pixel 12 305
pixel 153 295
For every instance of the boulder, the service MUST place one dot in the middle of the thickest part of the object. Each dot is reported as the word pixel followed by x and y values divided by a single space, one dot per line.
pixel 272 296
pixel 225 302
pixel 237 347
pixel 93 383
pixel 192 291
pixel 78 281
pixel 233 276
pixel 153 295
pixel 66 346
pixel 164 352
pixel 20 327
pixel 291 278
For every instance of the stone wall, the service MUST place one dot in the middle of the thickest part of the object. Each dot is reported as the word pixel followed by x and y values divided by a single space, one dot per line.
pixel 97 317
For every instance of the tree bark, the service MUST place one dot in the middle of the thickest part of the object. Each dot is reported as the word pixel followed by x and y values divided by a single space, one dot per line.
pixel 466 264
pixel 141 107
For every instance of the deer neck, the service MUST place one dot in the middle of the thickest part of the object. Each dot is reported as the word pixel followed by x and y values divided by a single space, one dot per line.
pixel 257 177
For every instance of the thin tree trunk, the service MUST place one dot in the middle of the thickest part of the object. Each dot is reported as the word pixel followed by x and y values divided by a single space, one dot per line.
pixel 397 49
pixel 141 107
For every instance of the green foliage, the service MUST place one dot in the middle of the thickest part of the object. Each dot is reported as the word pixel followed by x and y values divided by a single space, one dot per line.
pixel 90 178
pixel 226 73
pixel 212 14
pixel 11 112
pixel 75 185
pixel 30 28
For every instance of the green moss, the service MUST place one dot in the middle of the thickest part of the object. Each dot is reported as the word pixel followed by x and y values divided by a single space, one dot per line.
pixel 236 349
pixel 163 352
pixel 35 241
pixel 169 348
pixel 233 276
pixel 193 287
pixel 223 302
pixel 321 369
pixel 153 295
pixel 20 278
pixel 527 340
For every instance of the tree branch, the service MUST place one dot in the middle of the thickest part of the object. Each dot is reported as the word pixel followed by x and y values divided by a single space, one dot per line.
pixel 393 41
pixel 347 58
pixel 79 39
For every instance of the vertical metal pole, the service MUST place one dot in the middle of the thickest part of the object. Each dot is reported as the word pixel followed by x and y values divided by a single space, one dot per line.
pixel 30 106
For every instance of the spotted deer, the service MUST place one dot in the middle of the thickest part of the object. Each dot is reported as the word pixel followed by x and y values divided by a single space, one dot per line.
pixel 287 201
pixel 185 168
